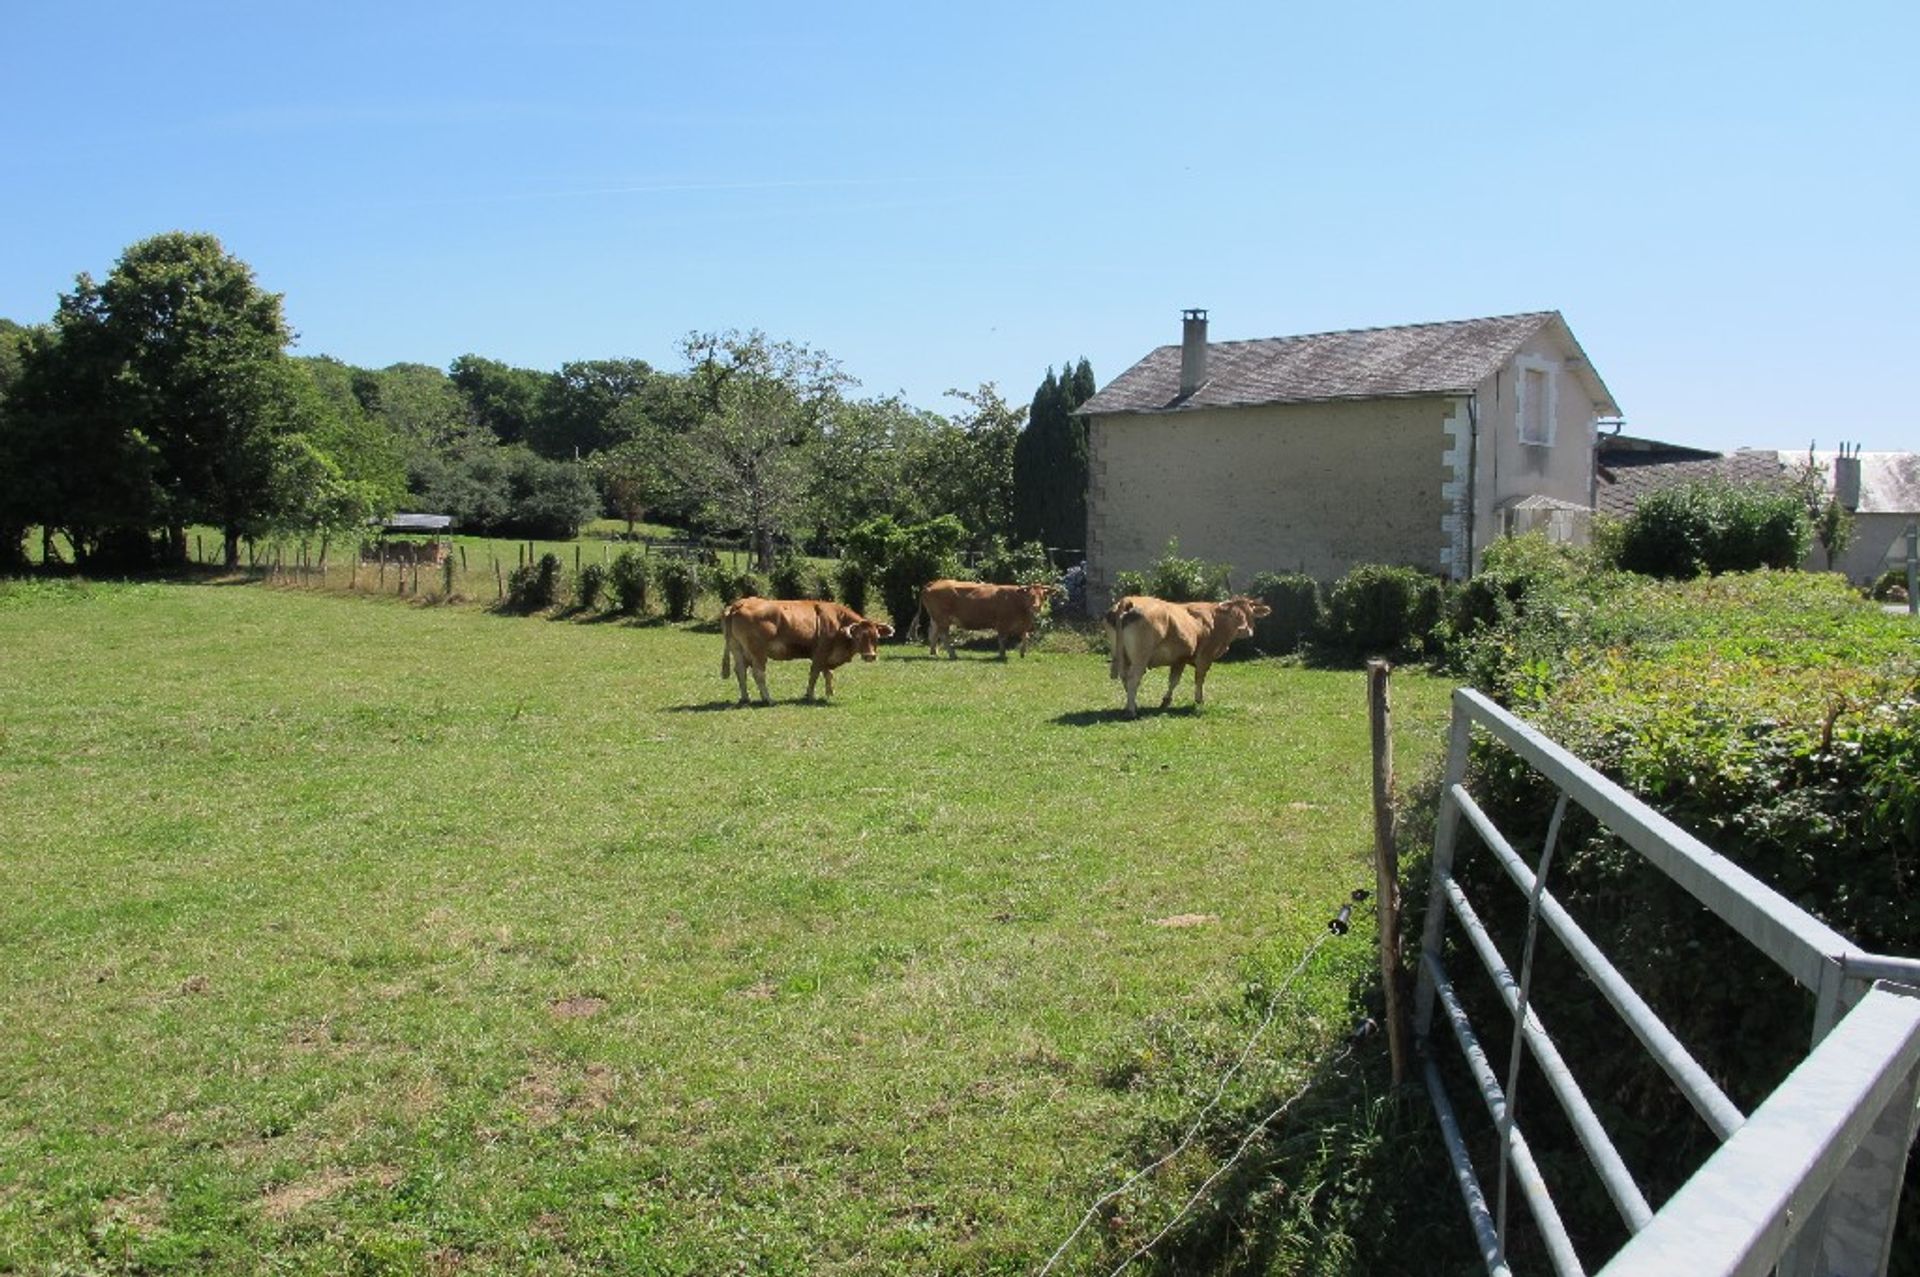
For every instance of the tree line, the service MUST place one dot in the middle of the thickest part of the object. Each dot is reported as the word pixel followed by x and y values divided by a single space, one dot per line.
pixel 165 396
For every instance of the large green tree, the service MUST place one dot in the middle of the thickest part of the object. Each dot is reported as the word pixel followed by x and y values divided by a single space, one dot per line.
pixel 966 467
pixel 500 398
pixel 1050 461
pixel 749 458
pixel 187 353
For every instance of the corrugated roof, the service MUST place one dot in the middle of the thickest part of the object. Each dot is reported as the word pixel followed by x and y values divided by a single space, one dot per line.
pixel 1361 363
pixel 417 522
pixel 1889 481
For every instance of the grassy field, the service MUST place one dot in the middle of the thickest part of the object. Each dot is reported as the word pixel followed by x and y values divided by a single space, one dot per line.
pixel 347 935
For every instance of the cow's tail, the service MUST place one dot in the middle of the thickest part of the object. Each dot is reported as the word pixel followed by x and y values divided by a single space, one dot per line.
pixel 726 646
pixel 913 631
pixel 1117 665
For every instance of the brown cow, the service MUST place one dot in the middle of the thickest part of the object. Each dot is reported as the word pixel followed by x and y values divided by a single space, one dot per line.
pixel 828 634
pixel 1147 633
pixel 1008 610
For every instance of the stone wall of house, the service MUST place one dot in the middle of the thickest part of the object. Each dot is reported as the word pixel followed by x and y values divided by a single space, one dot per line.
pixel 1315 488
pixel 1511 468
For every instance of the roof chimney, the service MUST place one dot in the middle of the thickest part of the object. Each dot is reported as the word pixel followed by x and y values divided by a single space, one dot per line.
pixel 1846 478
pixel 1193 351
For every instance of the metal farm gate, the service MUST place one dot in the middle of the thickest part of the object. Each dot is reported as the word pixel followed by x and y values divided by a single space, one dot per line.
pixel 1809 1182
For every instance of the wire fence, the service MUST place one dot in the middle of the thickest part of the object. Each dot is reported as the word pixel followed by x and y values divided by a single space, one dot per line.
pixel 1336 927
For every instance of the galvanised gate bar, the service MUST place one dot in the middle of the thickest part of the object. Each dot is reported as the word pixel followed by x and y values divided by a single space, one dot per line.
pixel 1808 1183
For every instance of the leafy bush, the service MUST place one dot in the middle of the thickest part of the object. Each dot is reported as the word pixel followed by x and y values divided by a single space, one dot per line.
pixel 630 578
pixel 790 578
pixel 902 559
pixel 1891 587
pixel 591 585
pixel 1179 580
pixel 534 586
pixel 679 579
pixel 851 586
pixel 1126 581
pixel 731 586
pixel 1022 564
pixel 1376 610
pixel 1713 527
pixel 1295 600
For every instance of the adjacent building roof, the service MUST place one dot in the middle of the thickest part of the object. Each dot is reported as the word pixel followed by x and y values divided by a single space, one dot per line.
pixel 1365 363
pixel 1627 470
pixel 1889 481
pixel 417 522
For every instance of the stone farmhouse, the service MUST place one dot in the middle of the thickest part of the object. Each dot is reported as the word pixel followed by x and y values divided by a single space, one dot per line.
pixel 1413 445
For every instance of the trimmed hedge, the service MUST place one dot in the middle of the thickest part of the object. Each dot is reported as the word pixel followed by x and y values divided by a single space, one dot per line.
pixel 1295 600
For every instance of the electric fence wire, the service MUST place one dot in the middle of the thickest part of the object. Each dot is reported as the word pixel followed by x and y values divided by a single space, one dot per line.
pixel 1186 1141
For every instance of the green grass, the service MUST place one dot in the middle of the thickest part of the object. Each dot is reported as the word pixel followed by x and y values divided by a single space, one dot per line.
pixel 342 935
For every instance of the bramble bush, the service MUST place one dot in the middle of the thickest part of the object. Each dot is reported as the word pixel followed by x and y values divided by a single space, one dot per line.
pixel 1179 580
pixel 731 586
pixel 630 578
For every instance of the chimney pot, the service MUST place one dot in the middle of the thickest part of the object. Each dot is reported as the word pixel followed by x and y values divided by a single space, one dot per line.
pixel 1846 479
pixel 1193 350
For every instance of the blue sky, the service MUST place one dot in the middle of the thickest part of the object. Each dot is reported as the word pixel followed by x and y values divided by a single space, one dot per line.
pixel 1721 199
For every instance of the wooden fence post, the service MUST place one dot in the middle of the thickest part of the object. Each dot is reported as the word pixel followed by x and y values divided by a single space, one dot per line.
pixel 1386 865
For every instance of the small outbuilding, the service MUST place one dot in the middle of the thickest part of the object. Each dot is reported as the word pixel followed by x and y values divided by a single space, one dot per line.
pixel 410 538
pixel 1412 445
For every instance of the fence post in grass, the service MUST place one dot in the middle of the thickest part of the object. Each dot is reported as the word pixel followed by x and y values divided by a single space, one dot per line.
pixel 499 586
pixel 1386 864
pixel 463 560
pixel 446 583
pixel 576 560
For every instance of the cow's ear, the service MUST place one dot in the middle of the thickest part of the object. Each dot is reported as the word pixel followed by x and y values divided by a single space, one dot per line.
pixel 884 631
pixel 847 631
pixel 1261 609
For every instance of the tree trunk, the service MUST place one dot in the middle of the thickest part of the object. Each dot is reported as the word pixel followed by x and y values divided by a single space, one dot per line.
pixel 176 545
pixel 232 535
pixel 763 548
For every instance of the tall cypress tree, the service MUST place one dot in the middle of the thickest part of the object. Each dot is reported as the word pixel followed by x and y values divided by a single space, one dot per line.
pixel 1050 461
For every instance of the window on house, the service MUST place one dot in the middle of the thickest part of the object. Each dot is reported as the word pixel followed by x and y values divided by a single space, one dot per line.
pixel 1536 406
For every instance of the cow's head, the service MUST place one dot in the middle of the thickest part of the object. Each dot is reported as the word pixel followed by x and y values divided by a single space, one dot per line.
pixel 1241 612
pixel 865 636
pixel 1039 594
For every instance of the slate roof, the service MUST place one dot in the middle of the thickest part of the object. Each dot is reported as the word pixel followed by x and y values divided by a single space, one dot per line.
pixel 1621 481
pixel 1361 363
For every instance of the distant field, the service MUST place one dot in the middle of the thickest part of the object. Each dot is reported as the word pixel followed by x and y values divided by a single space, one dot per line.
pixel 345 935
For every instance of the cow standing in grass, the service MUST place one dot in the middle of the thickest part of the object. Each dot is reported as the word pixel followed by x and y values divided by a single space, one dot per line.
pixel 1148 633
pixel 1010 611
pixel 827 634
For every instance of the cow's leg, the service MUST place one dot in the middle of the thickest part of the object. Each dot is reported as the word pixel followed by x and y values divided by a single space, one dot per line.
pixel 813 677
pixel 946 636
pixel 1131 676
pixel 1173 680
pixel 1025 635
pixel 935 632
pixel 1200 683
pixel 760 677
pixel 740 663
pixel 828 674
pixel 1000 636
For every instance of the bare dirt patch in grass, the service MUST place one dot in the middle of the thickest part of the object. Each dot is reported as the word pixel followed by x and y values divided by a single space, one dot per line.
pixel 1187 920
pixel 579 1007
pixel 290 1199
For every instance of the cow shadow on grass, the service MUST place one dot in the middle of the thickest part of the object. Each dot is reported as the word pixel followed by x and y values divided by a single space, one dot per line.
pixel 1118 714
pixel 711 707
